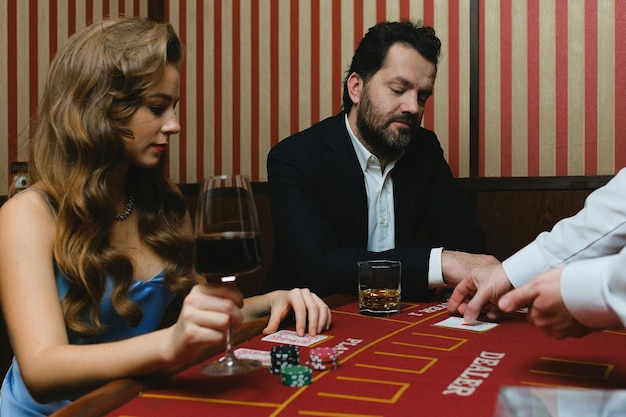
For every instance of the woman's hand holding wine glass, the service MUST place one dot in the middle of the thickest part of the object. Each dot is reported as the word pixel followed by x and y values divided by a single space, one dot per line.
pixel 206 313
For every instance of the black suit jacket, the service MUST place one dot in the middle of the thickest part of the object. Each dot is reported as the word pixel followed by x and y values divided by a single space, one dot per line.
pixel 319 211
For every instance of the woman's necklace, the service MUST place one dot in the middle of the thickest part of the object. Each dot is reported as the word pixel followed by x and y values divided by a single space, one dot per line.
pixel 130 203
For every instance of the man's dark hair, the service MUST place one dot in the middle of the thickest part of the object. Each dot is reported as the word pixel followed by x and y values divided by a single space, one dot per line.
pixel 373 48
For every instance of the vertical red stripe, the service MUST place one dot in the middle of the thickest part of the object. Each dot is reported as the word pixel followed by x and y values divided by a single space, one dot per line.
pixel 120 7
pixel 505 88
pixel 358 23
pixel 620 85
pixel 33 34
pixel 561 107
pixel 255 86
pixel 405 12
pixel 533 88
pixel 12 86
pixel 481 91
pixel 236 69
pixel 71 17
pixel 182 136
pixel 274 79
pixel 429 13
pixel 315 61
pixel 453 83
pixel 136 6
pixel 89 13
pixel 166 17
pixel 381 10
pixel 200 91
pixel 591 87
pixel 294 52
pixel 106 9
pixel 337 64
pixel 52 30
pixel 217 87
pixel 429 114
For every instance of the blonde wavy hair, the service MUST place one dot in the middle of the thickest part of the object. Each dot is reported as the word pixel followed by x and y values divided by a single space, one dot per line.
pixel 95 84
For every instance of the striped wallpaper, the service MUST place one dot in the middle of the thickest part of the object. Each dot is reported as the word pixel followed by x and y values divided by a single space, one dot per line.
pixel 551 74
pixel 257 71
pixel 32 32
pixel 553 87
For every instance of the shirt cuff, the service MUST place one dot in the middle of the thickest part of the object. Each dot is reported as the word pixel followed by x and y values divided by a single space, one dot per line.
pixel 585 294
pixel 525 265
pixel 435 275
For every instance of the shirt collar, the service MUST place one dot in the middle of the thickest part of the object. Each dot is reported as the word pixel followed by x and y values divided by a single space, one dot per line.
pixel 363 155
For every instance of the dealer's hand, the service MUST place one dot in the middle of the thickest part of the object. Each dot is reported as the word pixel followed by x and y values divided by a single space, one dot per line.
pixel 546 308
pixel 479 291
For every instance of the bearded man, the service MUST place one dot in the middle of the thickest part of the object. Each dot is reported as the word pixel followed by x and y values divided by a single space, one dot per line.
pixel 370 183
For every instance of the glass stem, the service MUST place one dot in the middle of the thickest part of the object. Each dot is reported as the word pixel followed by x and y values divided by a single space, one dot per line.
pixel 229 355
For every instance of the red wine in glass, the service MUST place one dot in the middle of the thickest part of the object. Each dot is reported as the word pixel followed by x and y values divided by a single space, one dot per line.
pixel 227 253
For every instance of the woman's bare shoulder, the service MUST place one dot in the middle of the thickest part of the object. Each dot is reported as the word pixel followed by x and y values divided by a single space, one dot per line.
pixel 30 205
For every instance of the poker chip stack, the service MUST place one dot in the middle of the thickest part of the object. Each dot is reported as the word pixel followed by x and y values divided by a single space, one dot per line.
pixel 323 358
pixel 283 356
pixel 296 375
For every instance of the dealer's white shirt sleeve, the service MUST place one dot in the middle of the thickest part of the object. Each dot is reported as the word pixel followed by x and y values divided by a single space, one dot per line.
pixel 590 244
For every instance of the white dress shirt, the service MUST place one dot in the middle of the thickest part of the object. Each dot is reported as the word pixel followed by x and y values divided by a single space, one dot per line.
pixel 380 208
pixel 591 245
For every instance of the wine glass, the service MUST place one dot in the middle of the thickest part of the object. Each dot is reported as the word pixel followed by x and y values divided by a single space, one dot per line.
pixel 226 244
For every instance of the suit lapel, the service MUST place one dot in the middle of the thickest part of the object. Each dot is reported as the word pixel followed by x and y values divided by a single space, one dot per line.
pixel 343 163
pixel 404 194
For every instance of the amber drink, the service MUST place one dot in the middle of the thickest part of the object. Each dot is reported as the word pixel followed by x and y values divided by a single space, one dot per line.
pixel 379 287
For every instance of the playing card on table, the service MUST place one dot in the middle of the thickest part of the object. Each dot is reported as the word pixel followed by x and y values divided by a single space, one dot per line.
pixel 262 356
pixel 289 337
pixel 458 323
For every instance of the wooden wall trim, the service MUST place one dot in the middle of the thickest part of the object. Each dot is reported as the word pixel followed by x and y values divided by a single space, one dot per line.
pixel 485 184
pixel 533 183
pixel 472 184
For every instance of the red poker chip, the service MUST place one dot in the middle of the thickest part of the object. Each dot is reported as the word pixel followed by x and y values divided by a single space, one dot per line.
pixel 323 354
pixel 323 358
pixel 319 366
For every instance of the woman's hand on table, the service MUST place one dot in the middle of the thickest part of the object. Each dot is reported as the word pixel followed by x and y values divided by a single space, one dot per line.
pixel 307 307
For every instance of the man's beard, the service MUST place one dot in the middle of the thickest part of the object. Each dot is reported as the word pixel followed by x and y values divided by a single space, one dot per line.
pixel 376 130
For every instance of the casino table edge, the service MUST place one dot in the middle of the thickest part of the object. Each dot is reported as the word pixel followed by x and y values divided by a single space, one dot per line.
pixel 116 393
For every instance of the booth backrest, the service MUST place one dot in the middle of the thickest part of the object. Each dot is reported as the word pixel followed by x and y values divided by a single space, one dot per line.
pixel 510 211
